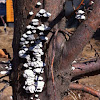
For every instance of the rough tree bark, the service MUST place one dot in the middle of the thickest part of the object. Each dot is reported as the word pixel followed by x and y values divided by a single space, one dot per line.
pixel 65 51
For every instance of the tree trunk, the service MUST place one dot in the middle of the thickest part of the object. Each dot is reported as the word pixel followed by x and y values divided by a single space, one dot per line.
pixel 57 47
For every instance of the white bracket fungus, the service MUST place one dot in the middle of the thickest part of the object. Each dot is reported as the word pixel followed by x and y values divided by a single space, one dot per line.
pixel 80 15
pixel 26 65
pixel 38 4
pixel 31 98
pixel 43 27
pixel 31 13
pixel 31 37
pixel 80 12
pixel 37 70
pixel 47 14
pixel 31 49
pixel 24 35
pixel 29 27
pixel 74 62
pixel 28 73
pixel 29 81
pixel 30 88
pixel 28 32
pixel 22 39
pixel 4 72
pixel 38 99
pixel 42 11
pixel 73 68
pixel 35 20
pixel 33 31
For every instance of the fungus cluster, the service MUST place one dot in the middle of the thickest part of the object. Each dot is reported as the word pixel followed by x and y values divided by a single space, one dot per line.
pixel 80 15
pixel 32 54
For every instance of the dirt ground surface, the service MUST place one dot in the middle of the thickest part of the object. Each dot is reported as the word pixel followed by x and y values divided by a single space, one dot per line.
pixel 91 81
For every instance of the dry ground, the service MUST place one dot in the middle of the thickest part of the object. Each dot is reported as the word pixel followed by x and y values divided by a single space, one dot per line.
pixel 6 42
pixel 91 81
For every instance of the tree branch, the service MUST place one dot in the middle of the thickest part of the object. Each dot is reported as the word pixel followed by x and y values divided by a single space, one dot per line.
pixel 75 86
pixel 81 69
pixel 80 38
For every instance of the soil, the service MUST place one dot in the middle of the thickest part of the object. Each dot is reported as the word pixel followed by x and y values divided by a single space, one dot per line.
pixel 92 81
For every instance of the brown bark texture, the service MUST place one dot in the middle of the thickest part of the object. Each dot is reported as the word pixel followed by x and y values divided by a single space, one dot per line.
pixel 65 51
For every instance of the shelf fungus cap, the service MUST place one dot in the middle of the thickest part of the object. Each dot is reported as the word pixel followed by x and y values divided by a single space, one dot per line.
pixel 35 20
pixel 31 13
pixel 22 39
pixel 31 98
pixel 38 15
pixel 38 99
pixel 25 65
pixel 41 33
pixel 21 52
pixel 31 37
pixel 4 72
pixel 25 48
pixel 33 27
pixel 42 11
pixel 26 42
pixel 35 23
pixel 41 84
pixel 43 27
pixel 30 89
pixel 29 81
pixel 73 68
pixel 80 12
pixel 40 78
pixel 74 62
pixel 38 70
pixel 24 35
pixel 36 95
pixel 47 14
pixel 28 32
pixel 38 4
pixel 28 73
pixel 29 27
pixel 34 31
pixel 81 17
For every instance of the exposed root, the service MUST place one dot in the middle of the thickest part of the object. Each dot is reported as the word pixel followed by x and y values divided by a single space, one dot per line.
pixel 80 69
pixel 74 86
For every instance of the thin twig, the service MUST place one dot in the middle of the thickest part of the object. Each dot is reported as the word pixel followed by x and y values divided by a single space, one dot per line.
pixel 96 53
pixel 4 81
pixel 4 76
pixel 53 81
pixel 4 87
